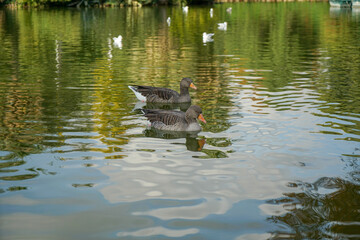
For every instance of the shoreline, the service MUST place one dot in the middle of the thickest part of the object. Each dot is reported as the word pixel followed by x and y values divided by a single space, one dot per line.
pixel 132 3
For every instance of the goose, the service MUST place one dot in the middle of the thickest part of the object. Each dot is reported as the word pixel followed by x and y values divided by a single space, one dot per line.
pixel 118 41
pixel 171 120
pixel 222 26
pixel 207 37
pixel 164 95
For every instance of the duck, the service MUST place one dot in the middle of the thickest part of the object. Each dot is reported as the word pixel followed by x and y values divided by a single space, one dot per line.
pixel 173 120
pixel 168 20
pixel 222 26
pixel 211 12
pixel 207 37
pixel 164 95
pixel 185 9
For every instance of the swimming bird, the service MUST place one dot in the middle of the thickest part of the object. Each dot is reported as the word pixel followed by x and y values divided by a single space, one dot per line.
pixel 222 26
pixel 164 95
pixel 118 41
pixel 211 12
pixel 207 37
pixel 170 120
pixel 229 10
pixel 185 9
pixel 168 20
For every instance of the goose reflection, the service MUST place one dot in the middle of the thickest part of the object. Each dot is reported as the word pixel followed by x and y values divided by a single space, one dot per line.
pixel 192 142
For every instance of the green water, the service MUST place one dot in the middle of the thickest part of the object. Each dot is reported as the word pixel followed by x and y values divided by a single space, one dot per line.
pixel 278 157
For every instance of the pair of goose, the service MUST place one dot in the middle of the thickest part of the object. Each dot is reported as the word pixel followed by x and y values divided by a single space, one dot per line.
pixel 169 120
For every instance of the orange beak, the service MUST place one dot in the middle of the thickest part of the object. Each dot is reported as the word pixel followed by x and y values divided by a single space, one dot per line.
pixel 193 86
pixel 201 118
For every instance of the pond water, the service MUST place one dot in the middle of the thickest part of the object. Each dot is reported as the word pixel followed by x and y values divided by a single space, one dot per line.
pixel 278 157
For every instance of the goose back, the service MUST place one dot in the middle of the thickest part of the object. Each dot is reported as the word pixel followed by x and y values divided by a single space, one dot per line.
pixel 164 95
pixel 166 117
pixel 155 94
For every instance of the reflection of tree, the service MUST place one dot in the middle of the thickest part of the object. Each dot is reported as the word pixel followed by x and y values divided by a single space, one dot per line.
pixel 280 38
pixel 35 99
pixel 20 113
pixel 338 78
pixel 21 130
pixel 110 111
pixel 327 208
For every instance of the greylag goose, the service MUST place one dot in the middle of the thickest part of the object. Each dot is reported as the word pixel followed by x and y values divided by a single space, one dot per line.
pixel 169 120
pixel 164 95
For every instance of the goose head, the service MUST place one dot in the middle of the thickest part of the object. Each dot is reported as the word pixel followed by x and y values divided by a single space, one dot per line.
pixel 186 83
pixel 194 112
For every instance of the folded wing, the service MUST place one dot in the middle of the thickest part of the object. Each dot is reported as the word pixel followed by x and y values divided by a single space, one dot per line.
pixel 155 93
pixel 164 116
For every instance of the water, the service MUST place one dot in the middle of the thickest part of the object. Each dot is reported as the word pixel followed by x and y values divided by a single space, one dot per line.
pixel 278 157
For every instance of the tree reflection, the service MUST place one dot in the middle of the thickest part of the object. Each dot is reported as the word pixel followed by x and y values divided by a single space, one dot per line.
pixel 327 208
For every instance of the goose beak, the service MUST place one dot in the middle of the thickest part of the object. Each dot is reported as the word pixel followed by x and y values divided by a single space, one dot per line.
pixel 193 86
pixel 201 118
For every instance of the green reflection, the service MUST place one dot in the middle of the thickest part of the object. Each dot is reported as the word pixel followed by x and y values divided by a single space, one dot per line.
pixel 327 208
pixel 82 68
pixel 314 215
pixel 16 188
pixel 86 185
pixel 19 177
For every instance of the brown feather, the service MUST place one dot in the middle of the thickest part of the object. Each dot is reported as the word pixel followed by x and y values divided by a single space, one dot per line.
pixel 174 120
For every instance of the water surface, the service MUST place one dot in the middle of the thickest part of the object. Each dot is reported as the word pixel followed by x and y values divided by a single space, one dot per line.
pixel 278 157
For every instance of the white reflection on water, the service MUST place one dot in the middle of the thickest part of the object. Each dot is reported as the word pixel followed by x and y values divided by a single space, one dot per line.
pixel 164 174
pixel 159 231
pixel 254 236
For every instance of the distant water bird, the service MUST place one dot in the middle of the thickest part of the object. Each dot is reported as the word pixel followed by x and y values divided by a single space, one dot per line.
pixel 222 26
pixel 168 20
pixel 118 41
pixel 185 9
pixel 211 12
pixel 207 37
pixel 164 95
pixel 229 10
pixel 170 120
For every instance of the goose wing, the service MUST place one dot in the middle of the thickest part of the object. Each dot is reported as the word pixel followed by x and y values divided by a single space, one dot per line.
pixel 163 93
pixel 165 116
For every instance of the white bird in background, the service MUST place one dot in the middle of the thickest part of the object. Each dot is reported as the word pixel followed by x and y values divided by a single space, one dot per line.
pixel 222 26
pixel 168 20
pixel 185 9
pixel 229 10
pixel 207 37
pixel 211 12
pixel 118 41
